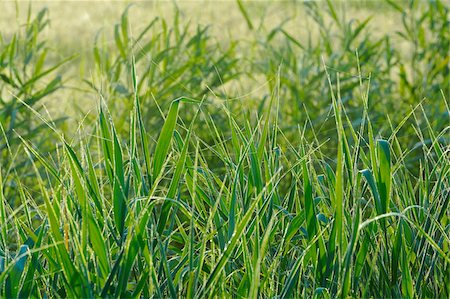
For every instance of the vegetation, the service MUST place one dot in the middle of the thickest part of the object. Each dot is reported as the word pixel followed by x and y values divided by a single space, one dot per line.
pixel 335 182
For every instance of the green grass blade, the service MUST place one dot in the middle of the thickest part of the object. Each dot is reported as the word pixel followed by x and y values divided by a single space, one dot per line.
pixel 165 136
pixel 384 174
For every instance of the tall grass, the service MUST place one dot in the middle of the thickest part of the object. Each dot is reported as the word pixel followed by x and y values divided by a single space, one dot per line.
pixel 179 199
pixel 140 218
pixel 27 72
pixel 173 59
pixel 406 64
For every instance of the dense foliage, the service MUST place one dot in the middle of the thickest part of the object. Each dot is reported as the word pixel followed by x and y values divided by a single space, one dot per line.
pixel 335 182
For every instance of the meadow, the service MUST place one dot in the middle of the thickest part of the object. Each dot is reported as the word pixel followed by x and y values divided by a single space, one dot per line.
pixel 232 149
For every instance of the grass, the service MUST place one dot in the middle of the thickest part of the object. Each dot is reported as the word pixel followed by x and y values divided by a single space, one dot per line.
pixel 204 195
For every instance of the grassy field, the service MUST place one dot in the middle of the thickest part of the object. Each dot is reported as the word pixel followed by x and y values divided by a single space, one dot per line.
pixel 225 149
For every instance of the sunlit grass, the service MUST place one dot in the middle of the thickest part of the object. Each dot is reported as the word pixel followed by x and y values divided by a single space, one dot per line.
pixel 177 187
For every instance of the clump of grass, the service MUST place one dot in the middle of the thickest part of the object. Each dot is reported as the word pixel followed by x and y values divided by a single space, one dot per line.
pixel 232 201
pixel 132 217
pixel 26 74
pixel 405 65
pixel 173 58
